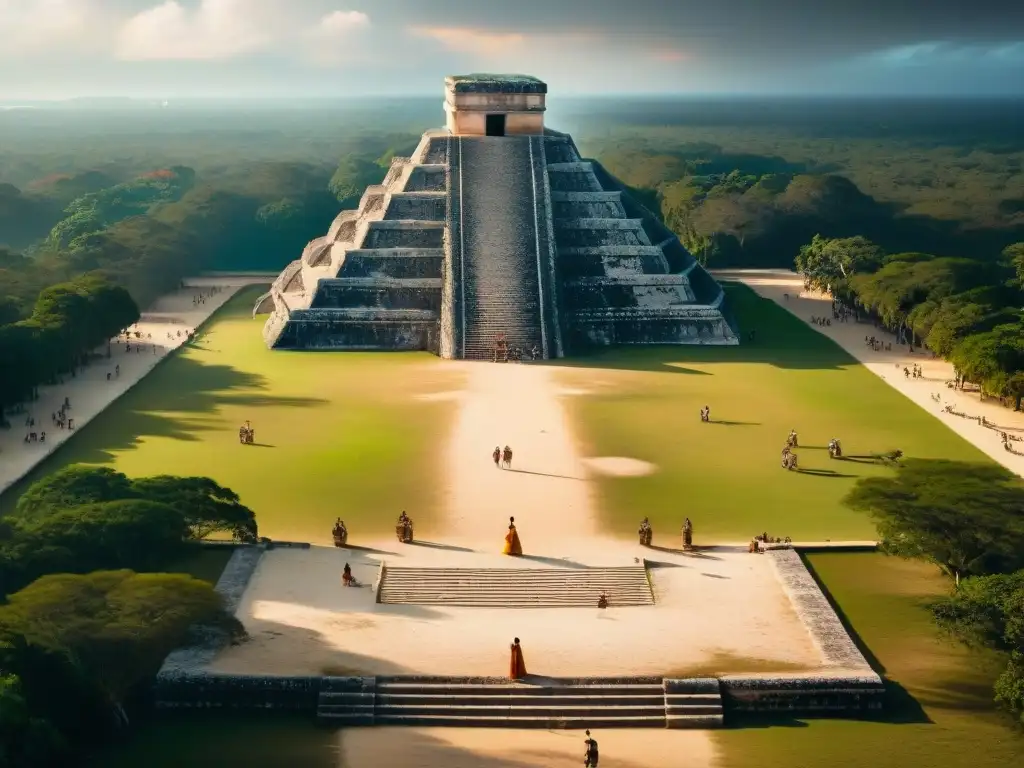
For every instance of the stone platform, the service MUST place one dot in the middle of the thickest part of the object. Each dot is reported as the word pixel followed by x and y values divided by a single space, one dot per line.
pixel 516 587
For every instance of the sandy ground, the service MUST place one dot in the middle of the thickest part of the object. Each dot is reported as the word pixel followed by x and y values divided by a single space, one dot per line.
pixel 302 621
pixel 472 748
pixel 775 284
pixel 546 488
pixel 90 392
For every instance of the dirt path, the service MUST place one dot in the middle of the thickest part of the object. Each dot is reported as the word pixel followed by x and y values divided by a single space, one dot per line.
pixel 90 392
pixel 546 488
pixel 778 284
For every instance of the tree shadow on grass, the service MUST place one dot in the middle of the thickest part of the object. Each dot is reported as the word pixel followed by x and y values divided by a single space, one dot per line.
pixel 176 401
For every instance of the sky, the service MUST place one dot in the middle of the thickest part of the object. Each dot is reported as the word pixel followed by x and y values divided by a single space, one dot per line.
pixel 58 49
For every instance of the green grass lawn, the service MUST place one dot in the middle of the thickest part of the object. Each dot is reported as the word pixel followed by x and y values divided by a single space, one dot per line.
pixel 644 403
pixel 947 720
pixel 336 434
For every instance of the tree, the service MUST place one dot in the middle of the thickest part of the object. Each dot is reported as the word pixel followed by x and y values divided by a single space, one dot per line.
pixel 965 518
pixel 826 262
pixel 1013 256
pixel 988 612
pixel 995 359
pixel 25 741
pixel 118 626
pixel 71 487
pixel 129 533
pixel 206 506
pixel 353 175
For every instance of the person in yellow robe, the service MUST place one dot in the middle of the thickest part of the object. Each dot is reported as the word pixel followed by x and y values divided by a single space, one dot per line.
pixel 512 543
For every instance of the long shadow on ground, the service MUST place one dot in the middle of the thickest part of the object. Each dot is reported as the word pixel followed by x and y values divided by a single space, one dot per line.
pixel 153 408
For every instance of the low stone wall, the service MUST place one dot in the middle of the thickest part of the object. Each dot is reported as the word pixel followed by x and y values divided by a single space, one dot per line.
pixel 847 684
pixel 239 692
pixel 827 632
pixel 231 585
pixel 803 694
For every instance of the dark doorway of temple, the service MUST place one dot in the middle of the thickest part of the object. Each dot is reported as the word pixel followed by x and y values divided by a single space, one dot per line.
pixel 495 125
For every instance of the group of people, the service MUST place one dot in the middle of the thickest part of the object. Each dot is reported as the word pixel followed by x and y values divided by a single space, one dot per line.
pixel 502 458
pixel 914 370
pixel 246 434
pixel 877 345
pixel 340 533
pixel 789 460
pixel 201 297
pixel 403 528
pixel 757 544
pixel 60 419
pixel 117 371
pixel 646 533
pixel 705 413
pixel 822 321
pixel 503 353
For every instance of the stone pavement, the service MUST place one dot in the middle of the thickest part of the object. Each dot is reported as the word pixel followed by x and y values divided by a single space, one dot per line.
pixel 90 392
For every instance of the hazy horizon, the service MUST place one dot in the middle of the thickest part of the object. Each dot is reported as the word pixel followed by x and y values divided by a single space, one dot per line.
pixel 332 49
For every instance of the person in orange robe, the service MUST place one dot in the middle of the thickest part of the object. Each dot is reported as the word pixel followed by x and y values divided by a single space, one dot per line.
pixel 516 664
pixel 512 544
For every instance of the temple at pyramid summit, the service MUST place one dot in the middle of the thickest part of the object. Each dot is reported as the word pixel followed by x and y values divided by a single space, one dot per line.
pixel 496 230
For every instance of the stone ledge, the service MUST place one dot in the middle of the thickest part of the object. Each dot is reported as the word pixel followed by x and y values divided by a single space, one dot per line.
pixel 636 280
pixel 604 223
pixel 586 197
pixel 231 586
pixel 612 250
pixel 827 632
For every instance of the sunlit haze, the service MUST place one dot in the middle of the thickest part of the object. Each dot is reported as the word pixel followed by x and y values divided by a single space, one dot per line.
pixel 60 49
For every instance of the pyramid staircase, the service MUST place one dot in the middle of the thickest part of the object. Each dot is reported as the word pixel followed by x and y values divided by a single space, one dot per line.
pixel 503 251
pixel 516 587
pixel 499 703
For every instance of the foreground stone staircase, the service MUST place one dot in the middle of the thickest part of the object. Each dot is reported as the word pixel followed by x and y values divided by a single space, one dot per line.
pixel 498 703
pixel 502 254
pixel 516 587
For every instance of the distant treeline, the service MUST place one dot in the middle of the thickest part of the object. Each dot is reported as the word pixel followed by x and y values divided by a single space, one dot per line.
pixel 739 209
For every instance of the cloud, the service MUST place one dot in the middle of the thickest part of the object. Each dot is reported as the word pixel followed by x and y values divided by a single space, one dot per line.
pixel 478 42
pixel 937 53
pixel 52 25
pixel 332 40
pixel 341 23
pixel 224 29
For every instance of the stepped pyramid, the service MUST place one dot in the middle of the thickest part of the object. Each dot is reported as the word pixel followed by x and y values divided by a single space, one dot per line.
pixel 496 224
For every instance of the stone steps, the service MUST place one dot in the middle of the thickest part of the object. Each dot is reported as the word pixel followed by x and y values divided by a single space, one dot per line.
pixel 516 588
pixel 499 245
pixel 507 704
